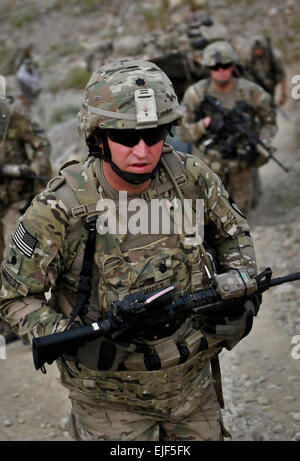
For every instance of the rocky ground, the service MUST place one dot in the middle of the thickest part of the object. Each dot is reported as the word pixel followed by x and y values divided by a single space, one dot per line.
pixel 260 376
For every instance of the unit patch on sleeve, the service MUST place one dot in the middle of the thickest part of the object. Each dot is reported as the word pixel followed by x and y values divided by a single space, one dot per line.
pixel 24 241
pixel 16 284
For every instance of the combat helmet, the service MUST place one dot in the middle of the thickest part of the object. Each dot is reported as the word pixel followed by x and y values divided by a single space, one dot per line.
pixel 219 52
pixel 258 41
pixel 128 95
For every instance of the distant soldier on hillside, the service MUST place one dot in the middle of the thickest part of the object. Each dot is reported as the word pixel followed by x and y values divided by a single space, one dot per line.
pixel 264 66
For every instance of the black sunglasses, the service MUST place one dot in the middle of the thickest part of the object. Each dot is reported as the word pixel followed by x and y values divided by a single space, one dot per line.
pixel 130 138
pixel 221 66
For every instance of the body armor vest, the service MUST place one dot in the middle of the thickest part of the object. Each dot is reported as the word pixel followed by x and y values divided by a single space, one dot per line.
pixel 120 269
pixel 212 146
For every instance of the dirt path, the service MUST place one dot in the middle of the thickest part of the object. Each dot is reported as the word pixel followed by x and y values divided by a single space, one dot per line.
pixel 261 379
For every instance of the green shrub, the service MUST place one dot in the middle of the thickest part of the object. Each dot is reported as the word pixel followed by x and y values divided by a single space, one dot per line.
pixel 64 113
pixel 76 79
pixel 66 48
pixel 24 16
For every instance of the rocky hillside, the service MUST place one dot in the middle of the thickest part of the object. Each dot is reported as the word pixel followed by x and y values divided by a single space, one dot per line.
pixel 68 36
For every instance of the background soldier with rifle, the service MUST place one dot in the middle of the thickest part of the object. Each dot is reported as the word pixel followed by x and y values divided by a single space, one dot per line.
pixel 24 166
pixel 265 67
pixel 232 150
pixel 154 381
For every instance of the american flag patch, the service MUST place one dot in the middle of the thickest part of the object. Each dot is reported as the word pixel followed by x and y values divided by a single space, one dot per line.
pixel 24 241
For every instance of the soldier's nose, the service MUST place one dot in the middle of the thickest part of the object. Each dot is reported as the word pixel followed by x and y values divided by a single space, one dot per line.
pixel 141 149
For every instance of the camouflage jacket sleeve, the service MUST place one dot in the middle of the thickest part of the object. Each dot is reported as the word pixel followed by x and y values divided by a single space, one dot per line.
pixel 280 71
pixel 36 144
pixel 226 229
pixel 261 102
pixel 191 129
pixel 34 260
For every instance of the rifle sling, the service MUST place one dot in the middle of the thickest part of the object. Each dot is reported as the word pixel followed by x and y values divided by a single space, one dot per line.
pixel 217 379
pixel 85 281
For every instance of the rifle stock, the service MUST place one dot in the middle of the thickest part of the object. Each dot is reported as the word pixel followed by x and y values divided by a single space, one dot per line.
pixel 48 348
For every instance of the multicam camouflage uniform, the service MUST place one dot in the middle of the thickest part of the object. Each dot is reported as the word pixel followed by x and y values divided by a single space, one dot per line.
pixel 235 174
pixel 266 70
pixel 23 148
pixel 128 402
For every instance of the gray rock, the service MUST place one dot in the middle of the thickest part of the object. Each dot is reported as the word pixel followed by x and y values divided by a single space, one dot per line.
pixel 297 437
pixel 129 45
pixel 296 416
pixel 64 423
pixel 278 429
pixel 7 423
pixel 263 400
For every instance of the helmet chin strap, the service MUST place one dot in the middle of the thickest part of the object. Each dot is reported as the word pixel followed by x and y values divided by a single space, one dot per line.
pixel 132 178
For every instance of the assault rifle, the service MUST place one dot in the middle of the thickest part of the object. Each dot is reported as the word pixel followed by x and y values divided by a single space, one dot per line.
pixel 234 121
pixel 149 315
pixel 30 177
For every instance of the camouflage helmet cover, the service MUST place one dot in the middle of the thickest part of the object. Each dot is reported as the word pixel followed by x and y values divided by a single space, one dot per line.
pixel 258 41
pixel 219 52
pixel 128 94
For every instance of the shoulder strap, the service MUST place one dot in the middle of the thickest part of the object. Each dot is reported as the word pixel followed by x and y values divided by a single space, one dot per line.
pixel 85 281
pixel 169 163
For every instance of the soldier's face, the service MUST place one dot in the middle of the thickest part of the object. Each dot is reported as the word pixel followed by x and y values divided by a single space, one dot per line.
pixel 222 74
pixel 137 159
pixel 258 51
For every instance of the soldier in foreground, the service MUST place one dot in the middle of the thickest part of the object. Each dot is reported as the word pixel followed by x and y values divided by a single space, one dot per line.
pixel 155 385
pixel 227 151
pixel 24 152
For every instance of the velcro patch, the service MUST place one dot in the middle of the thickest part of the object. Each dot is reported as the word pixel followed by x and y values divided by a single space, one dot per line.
pixel 25 242
pixel 18 286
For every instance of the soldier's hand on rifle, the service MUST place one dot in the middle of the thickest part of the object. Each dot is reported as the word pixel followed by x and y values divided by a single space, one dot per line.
pixel 263 155
pixel 216 125
pixel 26 171
pixel 206 122
pixel 234 328
pixel 282 99
pixel 16 171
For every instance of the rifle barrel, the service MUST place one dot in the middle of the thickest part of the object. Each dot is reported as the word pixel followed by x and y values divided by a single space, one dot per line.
pixel 22 178
pixel 287 278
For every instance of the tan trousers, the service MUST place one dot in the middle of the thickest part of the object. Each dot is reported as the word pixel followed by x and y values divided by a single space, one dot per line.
pixel 240 187
pixel 97 421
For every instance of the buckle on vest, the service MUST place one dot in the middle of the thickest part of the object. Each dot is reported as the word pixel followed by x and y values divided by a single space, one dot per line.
pixel 180 179
pixel 79 211
pixel 149 194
